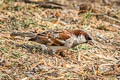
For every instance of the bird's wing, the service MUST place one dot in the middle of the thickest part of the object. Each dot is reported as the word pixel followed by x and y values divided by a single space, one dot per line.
pixel 52 38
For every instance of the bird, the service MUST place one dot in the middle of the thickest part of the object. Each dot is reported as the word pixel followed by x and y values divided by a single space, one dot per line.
pixel 56 40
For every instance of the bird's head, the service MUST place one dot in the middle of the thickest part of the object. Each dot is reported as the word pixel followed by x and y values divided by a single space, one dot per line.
pixel 82 37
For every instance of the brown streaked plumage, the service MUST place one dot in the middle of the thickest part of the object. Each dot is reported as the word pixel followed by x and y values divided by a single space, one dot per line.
pixel 67 38
pixel 60 39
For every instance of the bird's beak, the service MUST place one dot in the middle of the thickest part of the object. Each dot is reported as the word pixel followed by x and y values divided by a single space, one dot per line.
pixel 90 42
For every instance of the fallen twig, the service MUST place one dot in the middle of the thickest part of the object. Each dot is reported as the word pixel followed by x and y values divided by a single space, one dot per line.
pixel 105 16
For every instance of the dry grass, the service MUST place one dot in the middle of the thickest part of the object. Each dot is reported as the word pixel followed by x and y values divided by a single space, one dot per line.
pixel 24 60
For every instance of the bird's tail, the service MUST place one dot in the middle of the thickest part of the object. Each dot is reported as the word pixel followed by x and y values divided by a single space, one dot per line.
pixel 23 34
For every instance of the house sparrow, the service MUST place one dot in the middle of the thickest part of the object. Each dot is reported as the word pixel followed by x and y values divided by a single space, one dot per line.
pixel 58 39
